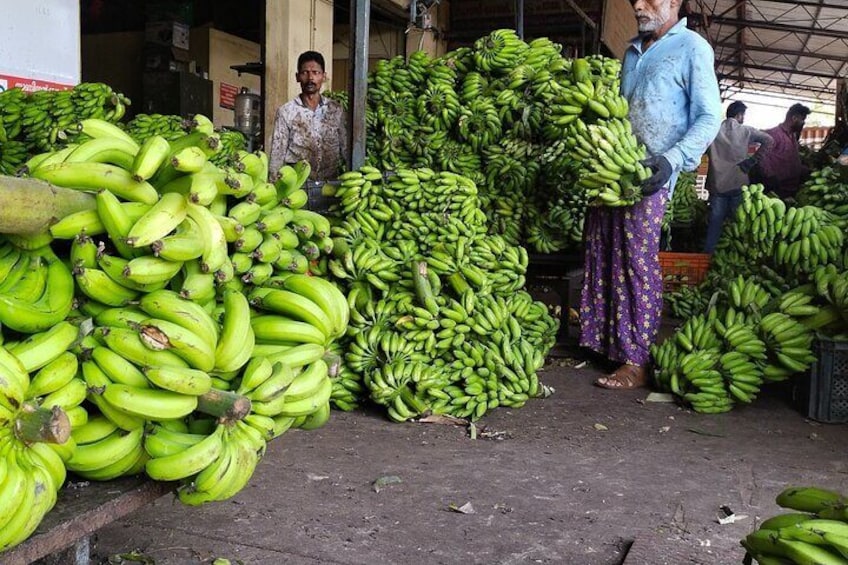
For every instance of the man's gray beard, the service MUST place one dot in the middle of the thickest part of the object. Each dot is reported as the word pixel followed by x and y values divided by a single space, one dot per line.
pixel 657 22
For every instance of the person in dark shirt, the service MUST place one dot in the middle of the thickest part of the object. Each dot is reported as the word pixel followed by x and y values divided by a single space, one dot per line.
pixel 781 171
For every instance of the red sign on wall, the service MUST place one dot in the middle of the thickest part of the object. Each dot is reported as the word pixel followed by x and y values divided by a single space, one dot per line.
pixel 228 94
pixel 30 84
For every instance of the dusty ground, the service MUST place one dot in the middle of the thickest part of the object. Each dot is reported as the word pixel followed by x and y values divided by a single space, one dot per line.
pixel 573 479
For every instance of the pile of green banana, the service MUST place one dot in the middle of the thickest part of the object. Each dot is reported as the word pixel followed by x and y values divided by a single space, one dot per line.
pixel 685 209
pixel 47 119
pixel 815 531
pixel 439 320
pixel 175 327
pixel 827 188
pixel 537 132
pixel 686 302
pixel 144 126
pixel 747 337
pixel 786 268
pixel 793 240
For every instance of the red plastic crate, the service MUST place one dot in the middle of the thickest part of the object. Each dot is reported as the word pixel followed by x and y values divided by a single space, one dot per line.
pixel 683 269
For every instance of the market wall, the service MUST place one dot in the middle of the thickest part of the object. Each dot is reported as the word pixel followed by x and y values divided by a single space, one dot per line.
pixel 215 51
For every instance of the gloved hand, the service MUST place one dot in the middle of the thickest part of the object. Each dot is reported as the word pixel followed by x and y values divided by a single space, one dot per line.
pixel 661 168
pixel 746 165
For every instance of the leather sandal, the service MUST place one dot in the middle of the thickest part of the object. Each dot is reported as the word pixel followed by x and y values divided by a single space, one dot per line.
pixel 625 377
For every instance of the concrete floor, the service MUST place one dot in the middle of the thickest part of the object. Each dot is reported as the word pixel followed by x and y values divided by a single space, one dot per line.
pixel 572 479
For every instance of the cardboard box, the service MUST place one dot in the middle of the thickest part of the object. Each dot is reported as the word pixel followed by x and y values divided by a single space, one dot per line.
pixel 161 58
pixel 172 34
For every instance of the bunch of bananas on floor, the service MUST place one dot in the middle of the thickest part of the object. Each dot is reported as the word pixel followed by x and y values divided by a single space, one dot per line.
pixel 746 338
pixel 489 112
pixel 813 530
pixel 438 318
pixel 45 120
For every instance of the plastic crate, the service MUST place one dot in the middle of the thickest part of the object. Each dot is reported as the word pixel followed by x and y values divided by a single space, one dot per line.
pixel 824 397
pixel 683 269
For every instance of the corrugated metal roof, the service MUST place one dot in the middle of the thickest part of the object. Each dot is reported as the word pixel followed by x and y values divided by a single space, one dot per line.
pixel 794 48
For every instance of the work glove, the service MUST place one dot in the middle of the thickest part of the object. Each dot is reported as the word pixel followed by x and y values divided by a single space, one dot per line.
pixel 746 165
pixel 661 169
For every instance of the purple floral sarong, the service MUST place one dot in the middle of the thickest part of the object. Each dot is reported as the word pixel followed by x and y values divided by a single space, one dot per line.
pixel 621 303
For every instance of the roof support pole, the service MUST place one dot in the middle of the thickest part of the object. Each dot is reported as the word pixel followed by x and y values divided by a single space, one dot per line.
pixel 519 18
pixel 360 18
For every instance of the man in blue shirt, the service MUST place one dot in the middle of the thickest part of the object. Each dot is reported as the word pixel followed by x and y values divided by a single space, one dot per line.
pixel 675 110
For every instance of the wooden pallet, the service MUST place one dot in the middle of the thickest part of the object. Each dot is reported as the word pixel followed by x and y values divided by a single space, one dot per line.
pixel 82 509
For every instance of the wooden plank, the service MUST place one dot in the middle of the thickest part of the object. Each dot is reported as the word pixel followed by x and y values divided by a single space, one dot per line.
pixel 82 509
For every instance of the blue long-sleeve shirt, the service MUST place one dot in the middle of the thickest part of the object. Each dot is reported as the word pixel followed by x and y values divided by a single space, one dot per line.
pixel 675 106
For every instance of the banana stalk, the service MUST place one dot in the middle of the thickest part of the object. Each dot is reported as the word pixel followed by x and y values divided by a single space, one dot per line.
pixel 30 205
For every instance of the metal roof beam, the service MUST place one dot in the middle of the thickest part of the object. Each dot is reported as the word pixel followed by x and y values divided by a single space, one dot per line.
pixel 775 69
pixel 774 83
pixel 759 24
pixel 778 51
pixel 810 3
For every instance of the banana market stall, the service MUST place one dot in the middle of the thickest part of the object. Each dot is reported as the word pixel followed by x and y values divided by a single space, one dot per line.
pixel 169 306
pixel 167 310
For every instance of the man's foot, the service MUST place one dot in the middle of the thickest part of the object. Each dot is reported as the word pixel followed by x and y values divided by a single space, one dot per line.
pixel 624 378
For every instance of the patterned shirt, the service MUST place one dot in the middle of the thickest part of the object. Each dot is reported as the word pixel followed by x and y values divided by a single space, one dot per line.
pixel 675 107
pixel 303 134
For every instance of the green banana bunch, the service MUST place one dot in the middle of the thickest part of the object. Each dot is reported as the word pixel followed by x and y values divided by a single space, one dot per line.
pixel 815 532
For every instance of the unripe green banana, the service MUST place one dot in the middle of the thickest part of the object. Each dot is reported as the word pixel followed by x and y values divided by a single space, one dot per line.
pixel 54 375
pixel 42 348
pixel 162 218
pixel 237 338
pixel 169 305
pixel 98 128
pixel 98 176
pixel 99 454
pixel 98 427
pixel 150 157
pixel 180 379
pixel 117 368
pixel 189 462
pixel 278 329
pixel 150 403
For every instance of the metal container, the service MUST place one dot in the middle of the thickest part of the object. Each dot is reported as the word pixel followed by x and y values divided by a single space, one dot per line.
pixel 247 112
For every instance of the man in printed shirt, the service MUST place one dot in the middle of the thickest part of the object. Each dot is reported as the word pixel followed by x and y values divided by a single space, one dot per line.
pixel 781 171
pixel 310 127
pixel 675 109
pixel 729 166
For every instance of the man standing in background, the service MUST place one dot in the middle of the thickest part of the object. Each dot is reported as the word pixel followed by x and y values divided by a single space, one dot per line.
pixel 729 165
pixel 311 127
pixel 781 171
